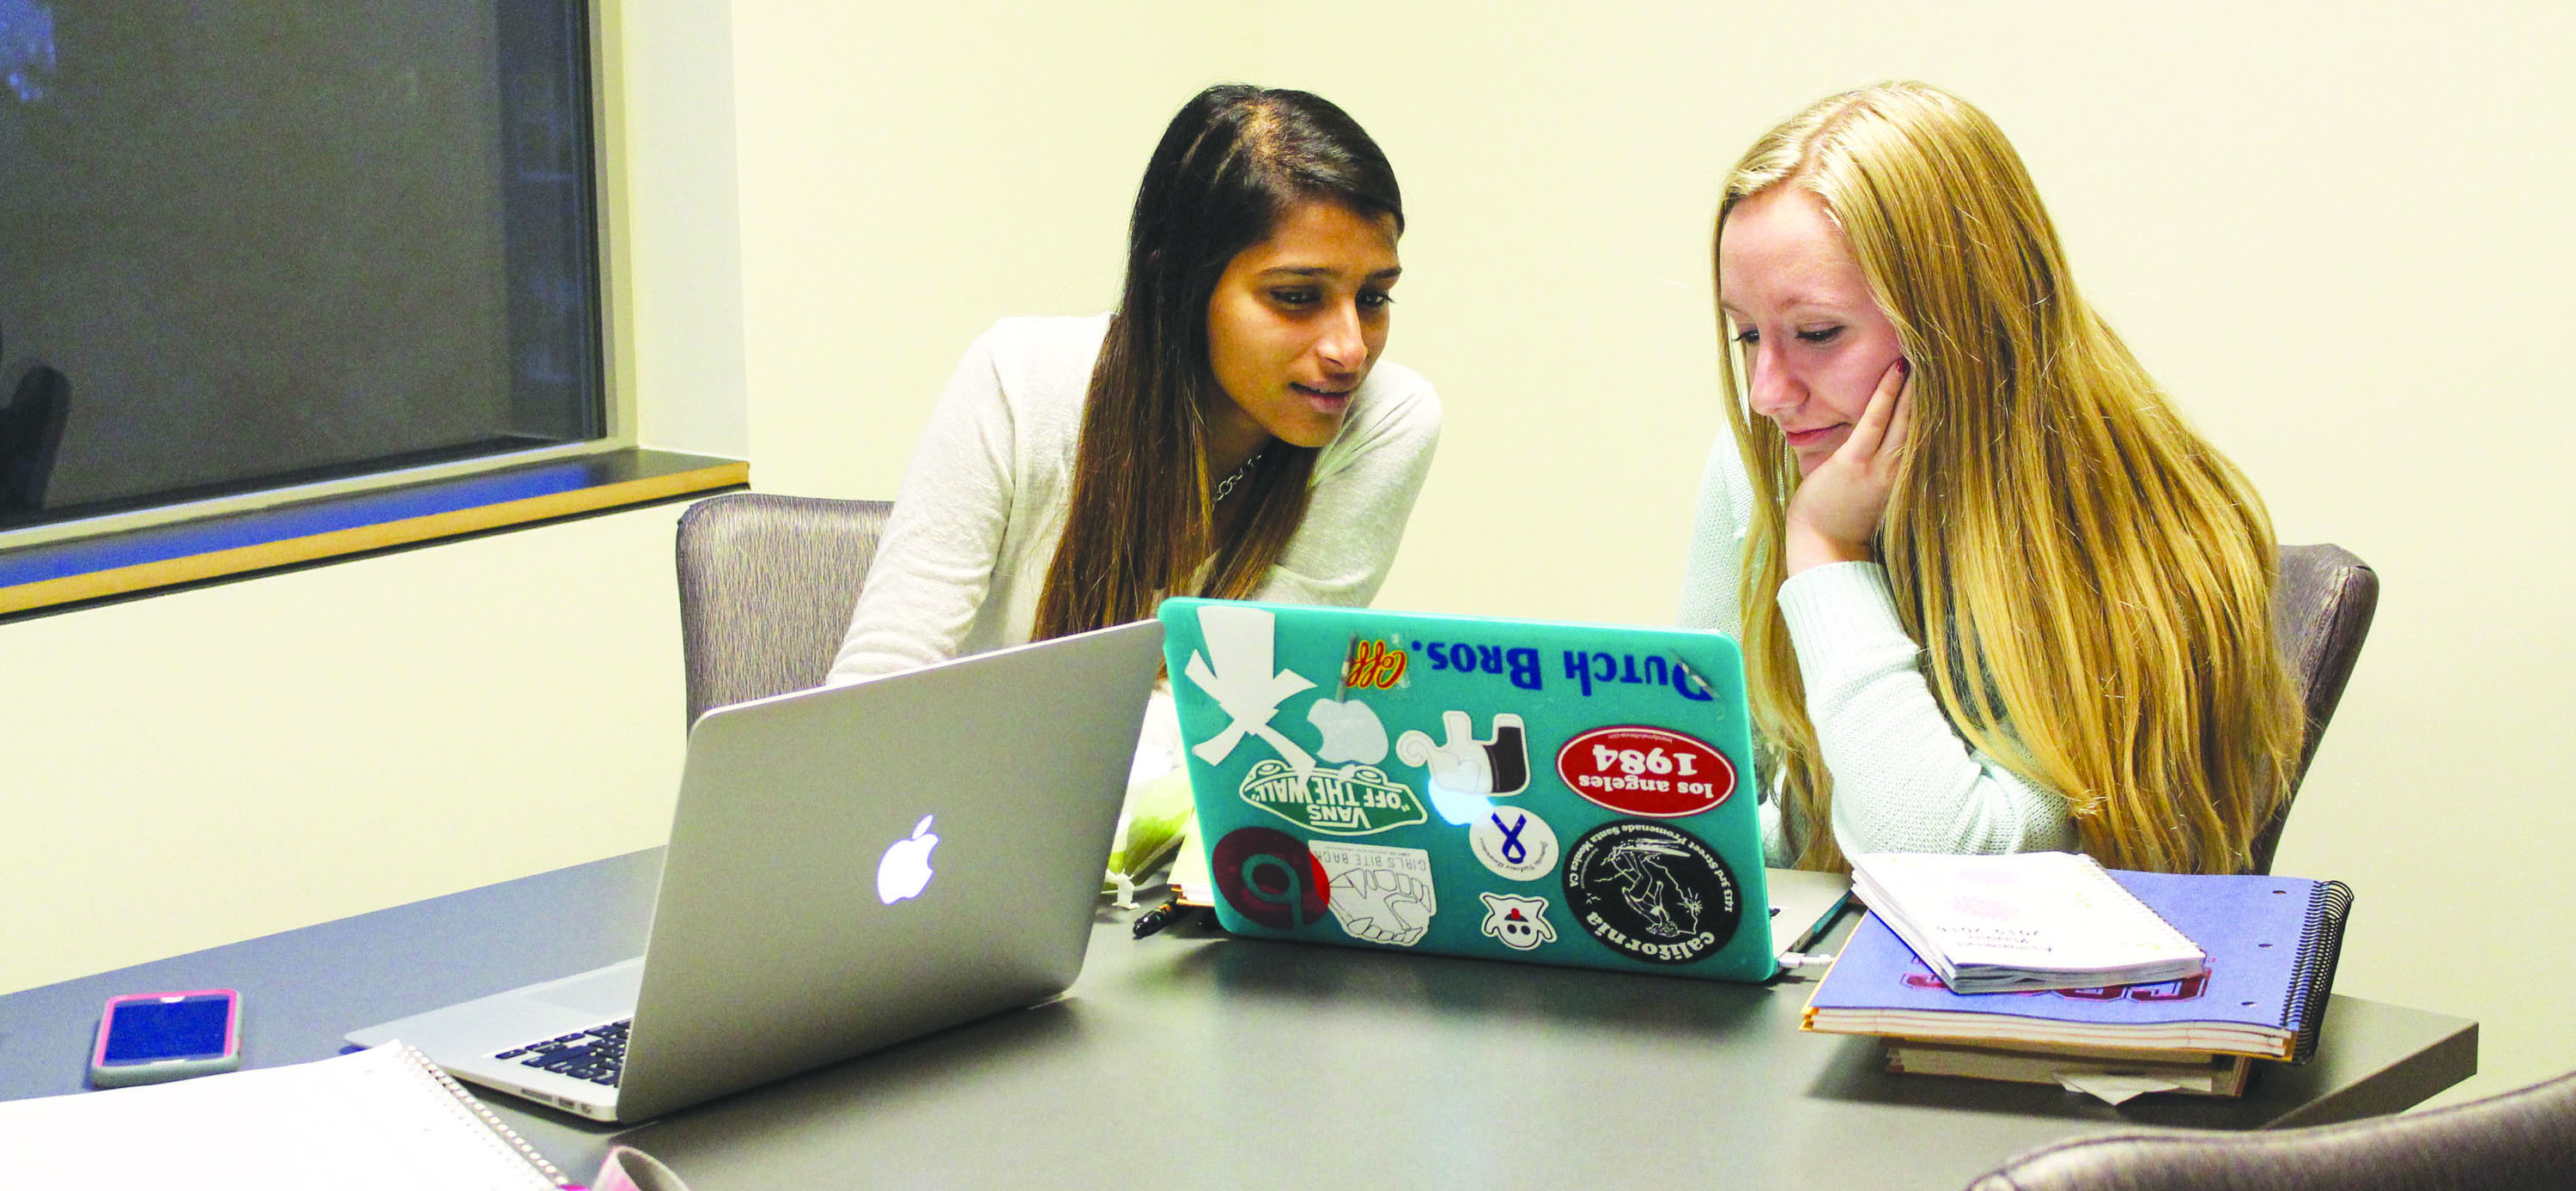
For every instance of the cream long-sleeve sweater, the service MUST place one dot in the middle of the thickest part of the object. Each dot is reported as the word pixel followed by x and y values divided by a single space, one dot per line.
pixel 975 524
pixel 1904 780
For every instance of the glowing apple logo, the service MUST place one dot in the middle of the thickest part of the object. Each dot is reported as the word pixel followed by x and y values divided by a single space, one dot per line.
pixel 905 871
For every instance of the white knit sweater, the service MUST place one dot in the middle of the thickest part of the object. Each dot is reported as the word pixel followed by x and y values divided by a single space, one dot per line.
pixel 1904 781
pixel 975 524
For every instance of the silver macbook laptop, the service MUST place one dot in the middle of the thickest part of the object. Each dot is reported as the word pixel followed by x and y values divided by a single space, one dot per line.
pixel 849 868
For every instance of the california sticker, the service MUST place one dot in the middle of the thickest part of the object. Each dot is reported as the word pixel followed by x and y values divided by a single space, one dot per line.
pixel 1651 891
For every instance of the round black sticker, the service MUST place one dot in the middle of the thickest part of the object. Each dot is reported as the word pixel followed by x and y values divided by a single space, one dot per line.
pixel 1651 890
pixel 1269 877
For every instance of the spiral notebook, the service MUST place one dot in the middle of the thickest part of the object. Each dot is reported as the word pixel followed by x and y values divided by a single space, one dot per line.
pixel 2272 944
pixel 385 1118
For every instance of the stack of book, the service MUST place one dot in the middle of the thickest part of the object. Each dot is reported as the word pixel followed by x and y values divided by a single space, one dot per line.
pixel 2270 947
pixel 2022 922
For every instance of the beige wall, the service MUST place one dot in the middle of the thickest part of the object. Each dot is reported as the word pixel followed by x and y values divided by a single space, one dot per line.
pixel 911 173
pixel 203 766
pixel 2336 232
pixel 2333 231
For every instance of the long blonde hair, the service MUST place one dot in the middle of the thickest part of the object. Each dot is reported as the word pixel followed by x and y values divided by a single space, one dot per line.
pixel 2092 580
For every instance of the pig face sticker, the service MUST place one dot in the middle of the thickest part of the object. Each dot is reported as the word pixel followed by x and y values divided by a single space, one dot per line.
pixel 1519 923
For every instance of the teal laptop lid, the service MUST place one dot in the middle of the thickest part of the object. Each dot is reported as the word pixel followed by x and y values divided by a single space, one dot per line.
pixel 1546 792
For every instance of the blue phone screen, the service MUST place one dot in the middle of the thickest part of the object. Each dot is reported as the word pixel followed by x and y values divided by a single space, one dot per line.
pixel 150 1031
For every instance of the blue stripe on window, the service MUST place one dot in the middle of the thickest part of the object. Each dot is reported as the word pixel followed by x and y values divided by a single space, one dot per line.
pixel 59 560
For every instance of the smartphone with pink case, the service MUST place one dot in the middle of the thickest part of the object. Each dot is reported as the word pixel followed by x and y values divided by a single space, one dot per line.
pixel 156 1037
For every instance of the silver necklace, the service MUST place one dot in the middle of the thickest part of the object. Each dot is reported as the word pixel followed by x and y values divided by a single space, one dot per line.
pixel 1225 487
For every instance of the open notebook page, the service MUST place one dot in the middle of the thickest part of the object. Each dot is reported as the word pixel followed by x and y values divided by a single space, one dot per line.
pixel 381 1119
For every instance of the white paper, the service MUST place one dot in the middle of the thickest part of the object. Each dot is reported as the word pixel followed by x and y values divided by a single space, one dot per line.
pixel 371 1119
pixel 2017 922
pixel 2115 1089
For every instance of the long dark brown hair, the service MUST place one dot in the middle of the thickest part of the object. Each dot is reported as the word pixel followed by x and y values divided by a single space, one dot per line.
pixel 1233 163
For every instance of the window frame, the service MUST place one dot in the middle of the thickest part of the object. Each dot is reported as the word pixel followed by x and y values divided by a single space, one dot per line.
pixel 618 471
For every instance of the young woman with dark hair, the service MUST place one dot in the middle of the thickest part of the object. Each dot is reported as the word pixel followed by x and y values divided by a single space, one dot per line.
pixel 1228 431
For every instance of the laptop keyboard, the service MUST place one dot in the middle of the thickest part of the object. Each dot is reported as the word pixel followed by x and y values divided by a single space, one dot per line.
pixel 597 1054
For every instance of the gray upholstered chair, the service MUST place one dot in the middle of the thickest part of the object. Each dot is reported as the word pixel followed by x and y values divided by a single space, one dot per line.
pixel 31 434
pixel 766 587
pixel 2520 1140
pixel 2321 608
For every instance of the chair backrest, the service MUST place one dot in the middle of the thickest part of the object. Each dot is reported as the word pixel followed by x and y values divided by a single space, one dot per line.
pixel 767 584
pixel 2521 1139
pixel 2321 609
pixel 31 434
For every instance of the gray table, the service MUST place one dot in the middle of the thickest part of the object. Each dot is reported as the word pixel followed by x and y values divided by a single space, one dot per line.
pixel 1227 1062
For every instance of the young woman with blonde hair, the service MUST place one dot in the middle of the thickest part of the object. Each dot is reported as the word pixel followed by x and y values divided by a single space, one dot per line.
pixel 1994 594
pixel 1228 431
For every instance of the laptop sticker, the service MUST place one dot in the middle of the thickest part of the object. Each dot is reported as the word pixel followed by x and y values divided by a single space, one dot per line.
pixel 1466 771
pixel 1352 800
pixel 1518 666
pixel 1238 670
pixel 1268 876
pixel 1378 894
pixel 1651 891
pixel 1626 670
pixel 1374 665
pixel 1242 682
pixel 1513 844
pixel 1520 923
pixel 1647 772
pixel 1351 732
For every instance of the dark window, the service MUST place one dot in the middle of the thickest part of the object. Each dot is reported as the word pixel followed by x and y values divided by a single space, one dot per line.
pixel 271 244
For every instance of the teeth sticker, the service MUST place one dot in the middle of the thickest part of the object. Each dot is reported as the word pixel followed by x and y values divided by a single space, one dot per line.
pixel 1380 895
pixel 1351 731
pixel 1519 922
pixel 1513 844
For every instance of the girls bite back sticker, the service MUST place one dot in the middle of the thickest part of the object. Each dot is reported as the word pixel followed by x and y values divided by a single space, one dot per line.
pixel 1377 894
pixel 1651 891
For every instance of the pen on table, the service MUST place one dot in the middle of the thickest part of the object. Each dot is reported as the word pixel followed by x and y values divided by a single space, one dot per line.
pixel 1160 916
